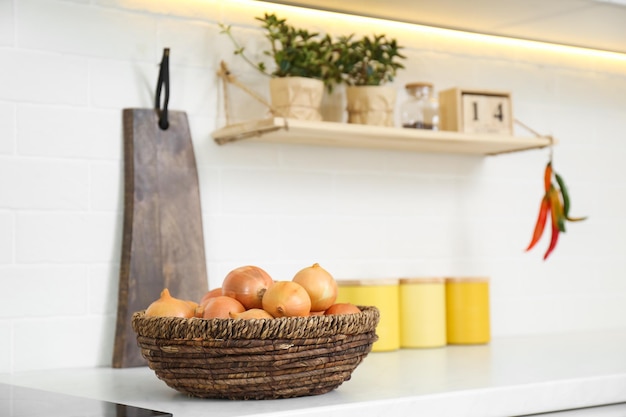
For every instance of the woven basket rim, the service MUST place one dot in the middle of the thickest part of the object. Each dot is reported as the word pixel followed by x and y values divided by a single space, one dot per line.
pixel 277 328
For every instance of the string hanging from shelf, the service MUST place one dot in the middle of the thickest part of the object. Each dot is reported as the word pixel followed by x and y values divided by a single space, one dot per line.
pixel 228 78
pixel 537 134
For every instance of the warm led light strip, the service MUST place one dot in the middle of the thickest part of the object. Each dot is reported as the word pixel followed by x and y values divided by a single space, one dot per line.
pixel 615 2
pixel 449 33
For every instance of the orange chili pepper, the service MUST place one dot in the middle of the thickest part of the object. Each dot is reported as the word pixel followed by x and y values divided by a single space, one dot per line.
pixel 558 219
pixel 541 221
pixel 547 177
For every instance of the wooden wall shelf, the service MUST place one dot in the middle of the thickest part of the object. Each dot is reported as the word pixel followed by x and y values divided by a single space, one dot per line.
pixel 279 130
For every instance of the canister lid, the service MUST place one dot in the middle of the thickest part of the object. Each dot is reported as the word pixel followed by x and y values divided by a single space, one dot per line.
pixel 425 280
pixel 467 279
pixel 367 282
pixel 418 85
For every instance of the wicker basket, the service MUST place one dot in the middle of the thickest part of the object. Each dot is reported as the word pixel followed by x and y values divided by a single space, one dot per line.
pixel 256 358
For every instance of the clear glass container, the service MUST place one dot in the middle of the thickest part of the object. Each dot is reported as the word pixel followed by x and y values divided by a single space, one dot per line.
pixel 421 109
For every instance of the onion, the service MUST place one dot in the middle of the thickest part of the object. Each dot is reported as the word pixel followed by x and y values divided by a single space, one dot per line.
pixel 253 313
pixel 342 308
pixel 247 284
pixel 168 306
pixel 210 294
pixel 287 299
pixel 319 284
pixel 221 307
pixel 198 310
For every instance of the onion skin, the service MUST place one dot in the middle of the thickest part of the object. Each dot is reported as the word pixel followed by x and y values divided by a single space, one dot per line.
pixel 198 309
pixel 342 308
pixel 221 307
pixel 319 284
pixel 253 313
pixel 199 312
pixel 287 299
pixel 247 284
pixel 210 294
pixel 168 306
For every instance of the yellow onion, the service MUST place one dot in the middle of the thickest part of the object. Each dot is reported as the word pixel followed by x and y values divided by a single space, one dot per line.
pixel 198 310
pixel 253 313
pixel 247 284
pixel 287 299
pixel 168 306
pixel 210 294
pixel 342 308
pixel 319 284
pixel 221 307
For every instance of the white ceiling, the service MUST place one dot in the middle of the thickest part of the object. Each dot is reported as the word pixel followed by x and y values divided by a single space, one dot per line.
pixel 597 24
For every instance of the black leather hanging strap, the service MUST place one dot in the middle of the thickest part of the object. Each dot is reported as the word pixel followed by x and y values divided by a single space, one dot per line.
pixel 164 81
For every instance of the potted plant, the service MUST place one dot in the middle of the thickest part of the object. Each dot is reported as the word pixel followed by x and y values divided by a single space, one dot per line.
pixel 366 65
pixel 302 67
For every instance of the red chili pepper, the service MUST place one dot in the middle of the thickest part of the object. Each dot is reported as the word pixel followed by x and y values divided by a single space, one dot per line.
pixel 541 221
pixel 553 239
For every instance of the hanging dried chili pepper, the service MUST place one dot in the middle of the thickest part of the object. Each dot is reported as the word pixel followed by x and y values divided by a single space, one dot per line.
pixel 564 193
pixel 556 200
pixel 544 208
pixel 553 240
pixel 558 219
pixel 541 222
pixel 556 206
pixel 547 177
pixel 566 199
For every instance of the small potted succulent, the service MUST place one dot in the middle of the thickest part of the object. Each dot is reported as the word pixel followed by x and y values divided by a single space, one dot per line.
pixel 366 65
pixel 303 66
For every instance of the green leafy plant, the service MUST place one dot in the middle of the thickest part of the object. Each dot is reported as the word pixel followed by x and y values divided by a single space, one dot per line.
pixel 296 52
pixel 369 60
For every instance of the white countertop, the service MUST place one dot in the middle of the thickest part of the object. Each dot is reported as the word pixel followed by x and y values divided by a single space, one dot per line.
pixel 509 376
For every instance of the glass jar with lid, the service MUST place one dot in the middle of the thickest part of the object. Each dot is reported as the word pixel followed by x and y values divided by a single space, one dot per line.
pixel 421 109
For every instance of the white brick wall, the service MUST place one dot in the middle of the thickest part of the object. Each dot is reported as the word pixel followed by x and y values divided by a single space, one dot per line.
pixel 6 237
pixel 7 121
pixel 33 183
pixel 44 77
pixel 68 68
pixel 7 30
pixel 51 131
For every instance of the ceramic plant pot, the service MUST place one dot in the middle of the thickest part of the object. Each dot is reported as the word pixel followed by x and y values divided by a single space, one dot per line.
pixel 297 97
pixel 371 105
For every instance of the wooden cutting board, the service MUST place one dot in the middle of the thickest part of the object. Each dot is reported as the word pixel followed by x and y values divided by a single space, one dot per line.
pixel 162 244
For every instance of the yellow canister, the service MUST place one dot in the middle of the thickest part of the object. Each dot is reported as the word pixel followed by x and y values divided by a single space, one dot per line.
pixel 467 310
pixel 422 312
pixel 383 294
